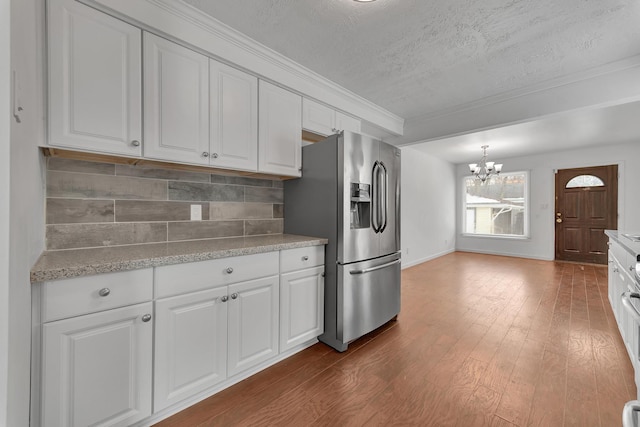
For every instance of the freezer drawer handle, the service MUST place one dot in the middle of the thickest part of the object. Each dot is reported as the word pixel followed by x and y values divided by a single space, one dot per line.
pixel 627 413
pixel 626 301
pixel 377 267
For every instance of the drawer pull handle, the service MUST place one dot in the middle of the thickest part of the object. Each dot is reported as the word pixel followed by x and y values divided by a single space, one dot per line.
pixel 104 292
pixel 224 298
pixel 631 268
pixel 234 295
pixel 146 317
pixel 229 270
pixel 305 258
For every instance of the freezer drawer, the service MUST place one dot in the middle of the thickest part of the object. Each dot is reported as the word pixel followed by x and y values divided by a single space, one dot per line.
pixel 369 295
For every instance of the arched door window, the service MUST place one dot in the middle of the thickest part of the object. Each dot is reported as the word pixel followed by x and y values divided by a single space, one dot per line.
pixel 585 181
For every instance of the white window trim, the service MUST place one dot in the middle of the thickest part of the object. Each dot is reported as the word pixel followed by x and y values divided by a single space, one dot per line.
pixel 527 210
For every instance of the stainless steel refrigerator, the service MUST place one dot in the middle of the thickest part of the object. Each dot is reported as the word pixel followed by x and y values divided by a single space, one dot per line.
pixel 350 193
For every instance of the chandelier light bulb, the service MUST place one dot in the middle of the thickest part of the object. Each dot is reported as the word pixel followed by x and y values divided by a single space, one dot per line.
pixel 485 170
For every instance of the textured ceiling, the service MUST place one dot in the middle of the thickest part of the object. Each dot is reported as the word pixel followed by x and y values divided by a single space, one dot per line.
pixel 580 129
pixel 419 58
pixel 416 57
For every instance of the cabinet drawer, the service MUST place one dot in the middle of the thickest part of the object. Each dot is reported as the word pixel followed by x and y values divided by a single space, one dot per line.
pixel 196 276
pixel 82 295
pixel 297 259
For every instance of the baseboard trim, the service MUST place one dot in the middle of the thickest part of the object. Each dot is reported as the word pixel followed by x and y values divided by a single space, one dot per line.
pixel 425 259
pixel 180 406
pixel 509 254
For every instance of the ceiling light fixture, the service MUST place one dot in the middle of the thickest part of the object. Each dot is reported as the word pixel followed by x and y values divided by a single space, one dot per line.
pixel 484 170
pixel 364 1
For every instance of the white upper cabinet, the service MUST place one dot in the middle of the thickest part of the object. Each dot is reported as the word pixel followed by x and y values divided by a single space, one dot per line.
pixel 279 131
pixel 95 99
pixel 323 120
pixel 176 102
pixel 318 118
pixel 233 118
pixel 344 122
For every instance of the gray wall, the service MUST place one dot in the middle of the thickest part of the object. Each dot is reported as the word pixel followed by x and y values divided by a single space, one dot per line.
pixel 92 204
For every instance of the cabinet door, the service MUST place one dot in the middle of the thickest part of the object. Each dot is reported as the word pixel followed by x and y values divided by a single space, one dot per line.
pixel 234 118
pixel 97 368
pixel 344 122
pixel 190 345
pixel 279 131
pixel 176 102
pixel 301 306
pixel 95 99
pixel 610 286
pixel 253 323
pixel 318 118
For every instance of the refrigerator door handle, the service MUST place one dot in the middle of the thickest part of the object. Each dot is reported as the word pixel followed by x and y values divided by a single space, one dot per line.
pixel 377 267
pixel 385 196
pixel 375 217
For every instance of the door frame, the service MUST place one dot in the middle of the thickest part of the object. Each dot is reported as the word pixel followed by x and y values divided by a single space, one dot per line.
pixel 619 200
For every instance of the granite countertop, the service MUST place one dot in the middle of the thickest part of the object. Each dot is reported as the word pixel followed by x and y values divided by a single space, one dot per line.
pixel 63 264
pixel 631 246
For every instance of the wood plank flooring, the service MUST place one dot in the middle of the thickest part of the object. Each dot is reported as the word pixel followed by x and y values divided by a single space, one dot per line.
pixel 481 341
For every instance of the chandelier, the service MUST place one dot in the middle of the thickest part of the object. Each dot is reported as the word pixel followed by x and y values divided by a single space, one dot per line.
pixel 484 170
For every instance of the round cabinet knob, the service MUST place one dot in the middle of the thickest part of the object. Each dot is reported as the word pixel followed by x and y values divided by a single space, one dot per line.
pixel 205 154
pixel 631 268
pixel 558 220
pixel 135 143
pixel 229 270
pixel 234 295
pixel 104 292
pixel 146 317
pixel 305 258
pixel 224 298
pixel 214 155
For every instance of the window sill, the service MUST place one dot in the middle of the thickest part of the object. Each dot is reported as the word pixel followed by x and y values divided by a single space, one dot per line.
pixel 495 236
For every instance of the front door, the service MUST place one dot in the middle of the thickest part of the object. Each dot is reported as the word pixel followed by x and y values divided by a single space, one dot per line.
pixel 586 205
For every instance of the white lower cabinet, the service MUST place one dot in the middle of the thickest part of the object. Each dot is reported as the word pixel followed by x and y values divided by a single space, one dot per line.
pixel 204 337
pixel 190 345
pixel 253 323
pixel 621 280
pixel 301 295
pixel 301 306
pixel 113 344
pixel 97 368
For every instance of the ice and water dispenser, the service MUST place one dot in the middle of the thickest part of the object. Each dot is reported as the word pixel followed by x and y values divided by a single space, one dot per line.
pixel 360 205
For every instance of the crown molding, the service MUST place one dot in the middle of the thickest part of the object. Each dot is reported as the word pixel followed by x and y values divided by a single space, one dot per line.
pixel 187 25
pixel 607 85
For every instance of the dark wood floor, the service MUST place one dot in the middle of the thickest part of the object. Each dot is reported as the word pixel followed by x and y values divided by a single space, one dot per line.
pixel 480 341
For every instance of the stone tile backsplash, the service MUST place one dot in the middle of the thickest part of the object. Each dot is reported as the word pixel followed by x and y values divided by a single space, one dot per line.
pixel 92 204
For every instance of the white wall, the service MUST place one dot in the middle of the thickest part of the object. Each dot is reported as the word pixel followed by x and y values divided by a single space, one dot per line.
pixel 5 71
pixel 542 195
pixel 428 207
pixel 25 163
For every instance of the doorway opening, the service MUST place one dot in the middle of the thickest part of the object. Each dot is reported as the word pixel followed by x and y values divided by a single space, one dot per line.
pixel 586 205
